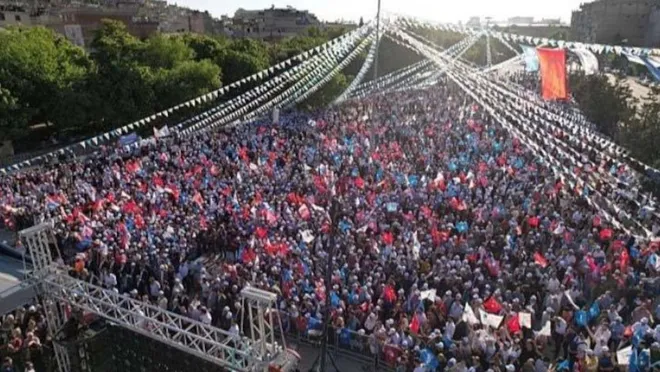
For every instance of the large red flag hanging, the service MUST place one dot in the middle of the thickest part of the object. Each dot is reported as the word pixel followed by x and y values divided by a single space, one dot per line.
pixel 553 73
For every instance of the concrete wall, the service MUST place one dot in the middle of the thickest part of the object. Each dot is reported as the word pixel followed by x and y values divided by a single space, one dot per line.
pixel 613 21
pixel 652 37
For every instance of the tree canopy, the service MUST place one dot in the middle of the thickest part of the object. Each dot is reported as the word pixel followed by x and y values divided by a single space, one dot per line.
pixel 47 80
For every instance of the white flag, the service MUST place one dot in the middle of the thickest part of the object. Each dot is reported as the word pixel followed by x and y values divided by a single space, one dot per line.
pixel 162 132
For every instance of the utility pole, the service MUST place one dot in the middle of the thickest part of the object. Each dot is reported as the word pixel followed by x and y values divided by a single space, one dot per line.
pixel 377 41
pixel 320 364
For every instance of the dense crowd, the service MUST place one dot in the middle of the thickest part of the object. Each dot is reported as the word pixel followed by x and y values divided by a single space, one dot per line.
pixel 455 247
pixel 22 334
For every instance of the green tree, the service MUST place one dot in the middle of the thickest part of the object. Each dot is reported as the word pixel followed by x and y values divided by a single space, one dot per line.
pixel 642 133
pixel 40 69
pixel 121 86
pixel 206 47
pixel 162 51
pixel 13 121
pixel 326 95
pixel 237 65
pixel 605 104
pixel 113 43
pixel 187 80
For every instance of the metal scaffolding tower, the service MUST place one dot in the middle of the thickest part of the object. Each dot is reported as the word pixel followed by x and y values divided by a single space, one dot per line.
pixel 259 306
pixel 37 240
pixel 61 293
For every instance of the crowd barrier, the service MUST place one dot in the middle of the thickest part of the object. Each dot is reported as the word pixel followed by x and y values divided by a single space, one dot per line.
pixel 345 343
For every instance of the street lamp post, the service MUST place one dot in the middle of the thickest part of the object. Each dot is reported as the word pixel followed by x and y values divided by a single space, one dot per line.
pixel 334 216
pixel 377 41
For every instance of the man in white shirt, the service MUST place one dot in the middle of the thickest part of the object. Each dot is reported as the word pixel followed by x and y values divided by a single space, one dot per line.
pixel 205 316
pixel 559 334
pixel 110 280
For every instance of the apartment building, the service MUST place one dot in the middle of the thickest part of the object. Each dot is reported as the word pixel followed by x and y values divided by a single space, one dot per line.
pixel 272 23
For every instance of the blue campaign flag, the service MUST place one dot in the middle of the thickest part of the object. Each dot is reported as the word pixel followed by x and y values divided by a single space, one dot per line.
pixel 519 163
pixel 83 245
pixel 429 359
pixel 345 336
pixel 334 299
pixel 379 175
pixel 128 139
pixel 462 227
pixel 563 366
pixel 314 323
pixel 530 58
pixel 392 207
pixel 633 362
pixel 287 276
pixel 581 318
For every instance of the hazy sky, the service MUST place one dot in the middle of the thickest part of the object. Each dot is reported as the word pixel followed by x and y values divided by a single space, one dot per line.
pixel 437 10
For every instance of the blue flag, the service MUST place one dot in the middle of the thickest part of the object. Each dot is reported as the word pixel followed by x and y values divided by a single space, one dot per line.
pixel 531 58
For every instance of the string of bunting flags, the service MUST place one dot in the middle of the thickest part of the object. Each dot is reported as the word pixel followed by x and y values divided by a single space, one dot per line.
pixel 400 72
pixel 240 105
pixel 334 72
pixel 396 76
pixel 309 83
pixel 420 79
pixel 612 181
pixel 118 132
pixel 470 41
pixel 539 150
pixel 603 144
pixel 471 87
pixel 277 83
pixel 360 75
pixel 384 80
pixel 326 60
pixel 537 41
pixel 567 120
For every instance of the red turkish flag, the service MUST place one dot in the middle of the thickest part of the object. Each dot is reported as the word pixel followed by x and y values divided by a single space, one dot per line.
pixel 540 260
pixel 492 306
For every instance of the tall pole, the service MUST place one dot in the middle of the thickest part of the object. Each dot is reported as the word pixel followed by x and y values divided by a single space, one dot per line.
pixel 334 214
pixel 377 41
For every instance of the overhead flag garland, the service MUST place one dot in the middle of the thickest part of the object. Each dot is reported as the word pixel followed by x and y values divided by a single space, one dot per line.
pixel 340 42
pixel 304 84
pixel 477 89
pixel 360 75
pixel 536 41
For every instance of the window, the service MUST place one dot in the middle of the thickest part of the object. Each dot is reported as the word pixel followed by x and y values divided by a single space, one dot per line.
pixel 2 16
pixel 17 18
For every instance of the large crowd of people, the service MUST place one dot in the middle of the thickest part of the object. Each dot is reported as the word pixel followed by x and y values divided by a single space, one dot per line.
pixel 21 335
pixel 454 247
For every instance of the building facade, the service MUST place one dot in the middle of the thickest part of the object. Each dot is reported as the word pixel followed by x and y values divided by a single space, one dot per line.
pixel 272 23
pixel 18 14
pixel 521 20
pixel 653 30
pixel 622 22
pixel 80 24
